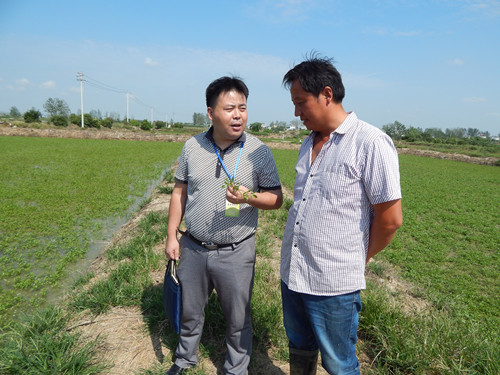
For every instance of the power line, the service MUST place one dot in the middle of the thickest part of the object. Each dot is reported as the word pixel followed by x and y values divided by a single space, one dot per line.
pixel 103 86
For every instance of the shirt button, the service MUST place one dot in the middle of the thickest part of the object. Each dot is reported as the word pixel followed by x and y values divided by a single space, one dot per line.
pixel 295 245
pixel 303 199
pixel 297 223
pixel 311 175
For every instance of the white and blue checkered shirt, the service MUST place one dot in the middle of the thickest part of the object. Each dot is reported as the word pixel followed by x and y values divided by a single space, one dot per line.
pixel 327 232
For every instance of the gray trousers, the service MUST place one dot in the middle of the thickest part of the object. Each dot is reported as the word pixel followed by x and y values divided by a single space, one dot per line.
pixel 230 271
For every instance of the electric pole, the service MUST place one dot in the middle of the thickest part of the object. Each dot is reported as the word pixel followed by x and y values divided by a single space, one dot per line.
pixel 128 95
pixel 81 79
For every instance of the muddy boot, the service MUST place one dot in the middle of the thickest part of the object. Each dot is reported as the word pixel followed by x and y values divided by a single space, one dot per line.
pixel 303 362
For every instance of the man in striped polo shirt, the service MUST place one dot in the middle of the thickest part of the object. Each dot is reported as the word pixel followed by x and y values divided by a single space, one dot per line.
pixel 217 250
pixel 347 208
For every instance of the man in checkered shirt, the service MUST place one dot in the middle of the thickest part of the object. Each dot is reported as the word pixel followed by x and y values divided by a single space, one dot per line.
pixel 217 250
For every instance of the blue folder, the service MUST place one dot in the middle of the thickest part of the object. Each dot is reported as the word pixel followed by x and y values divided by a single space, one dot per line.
pixel 172 300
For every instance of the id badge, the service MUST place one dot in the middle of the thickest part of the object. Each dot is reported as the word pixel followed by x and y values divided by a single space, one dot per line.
pixel 232 209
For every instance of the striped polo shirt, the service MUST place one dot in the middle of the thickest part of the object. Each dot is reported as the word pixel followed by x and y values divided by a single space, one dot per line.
pixel 200 168
pixel 327 232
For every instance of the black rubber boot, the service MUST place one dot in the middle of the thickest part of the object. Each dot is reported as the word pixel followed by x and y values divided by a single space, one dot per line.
pixel 303 362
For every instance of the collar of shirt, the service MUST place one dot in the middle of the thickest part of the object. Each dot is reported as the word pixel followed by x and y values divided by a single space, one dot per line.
pixel 343 128
pixel 210 136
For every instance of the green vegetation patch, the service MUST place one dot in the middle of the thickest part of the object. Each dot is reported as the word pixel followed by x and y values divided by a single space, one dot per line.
pixel 448 249
pixel 449 243
pixel 55 195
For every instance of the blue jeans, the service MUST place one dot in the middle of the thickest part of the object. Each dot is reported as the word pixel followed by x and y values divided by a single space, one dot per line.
pixel 327 323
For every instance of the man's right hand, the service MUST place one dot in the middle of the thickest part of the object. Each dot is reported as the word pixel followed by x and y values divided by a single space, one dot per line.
pixel 172 248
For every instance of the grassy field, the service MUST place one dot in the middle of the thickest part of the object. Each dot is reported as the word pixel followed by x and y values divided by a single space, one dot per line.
pixel 431 306
pixel 58 194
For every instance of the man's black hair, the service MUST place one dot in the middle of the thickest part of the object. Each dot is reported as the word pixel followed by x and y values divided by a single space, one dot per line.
pixel 224 84
pixel 314 74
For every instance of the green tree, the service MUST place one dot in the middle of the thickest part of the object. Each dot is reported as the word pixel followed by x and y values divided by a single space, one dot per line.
pixel 200 119
pixel 33 115
pixel 396 130
pixel 413 134
pixel 256 126
pixel 96 114
pixel 56 107
pixel 434 133
pixel 277 126
pixel 472 132
pixel 14 112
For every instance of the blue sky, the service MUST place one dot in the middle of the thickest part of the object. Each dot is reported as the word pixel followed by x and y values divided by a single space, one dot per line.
pixel 426 63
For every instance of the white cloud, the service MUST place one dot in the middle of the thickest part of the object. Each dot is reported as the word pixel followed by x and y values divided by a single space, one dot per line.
pixel 48 85
pixel 23 81
pixel 457 62
pixel 473 100
pixel 16 88
pixel 150 62
pixel 488 8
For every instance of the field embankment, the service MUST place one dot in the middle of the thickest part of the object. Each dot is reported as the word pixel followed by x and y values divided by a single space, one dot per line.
pixel 139 135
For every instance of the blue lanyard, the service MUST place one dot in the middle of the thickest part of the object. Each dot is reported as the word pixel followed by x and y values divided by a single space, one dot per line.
pixel 224 166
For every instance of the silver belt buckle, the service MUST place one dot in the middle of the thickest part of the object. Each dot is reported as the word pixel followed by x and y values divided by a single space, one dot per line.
pixel 210 245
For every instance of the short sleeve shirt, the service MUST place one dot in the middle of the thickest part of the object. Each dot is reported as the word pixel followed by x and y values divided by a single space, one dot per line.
pixel 327 232
pixel 200 168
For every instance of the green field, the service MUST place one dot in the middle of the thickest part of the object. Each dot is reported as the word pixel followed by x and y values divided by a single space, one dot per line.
pixel 431 306
pixel 58 194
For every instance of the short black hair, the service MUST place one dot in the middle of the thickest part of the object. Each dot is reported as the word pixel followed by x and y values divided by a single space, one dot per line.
pixel 224 84
pixel 316 73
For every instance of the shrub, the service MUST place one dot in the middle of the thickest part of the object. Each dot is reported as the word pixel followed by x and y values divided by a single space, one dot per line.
pixel 59 120
pixel 90 122
pixel 33 115
pixel 145 125
pixel 107 122
pixel 75 119
pixel 135 123
pixel 160 124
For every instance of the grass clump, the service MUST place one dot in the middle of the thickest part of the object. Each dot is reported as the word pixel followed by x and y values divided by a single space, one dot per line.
pixel 41 345
pixel 430 342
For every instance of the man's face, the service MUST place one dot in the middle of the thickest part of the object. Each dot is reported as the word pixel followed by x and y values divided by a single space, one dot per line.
pixel 229 116
pixel 308 107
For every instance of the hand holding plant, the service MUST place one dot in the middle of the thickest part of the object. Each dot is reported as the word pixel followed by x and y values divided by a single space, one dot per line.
pixel 234 188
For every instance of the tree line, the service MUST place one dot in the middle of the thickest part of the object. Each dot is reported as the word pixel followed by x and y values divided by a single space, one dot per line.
pixel 60 115
pixel 398 131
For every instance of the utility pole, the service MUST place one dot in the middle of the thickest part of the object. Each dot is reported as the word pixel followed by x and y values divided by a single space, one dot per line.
pixel 128 95
pixel 81 79
pixel 152 111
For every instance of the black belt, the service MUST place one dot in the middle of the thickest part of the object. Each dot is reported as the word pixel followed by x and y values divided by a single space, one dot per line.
pixel 212 245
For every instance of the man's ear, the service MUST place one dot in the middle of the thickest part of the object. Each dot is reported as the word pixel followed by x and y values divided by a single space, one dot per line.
pixel 327 94
pixel 209 113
